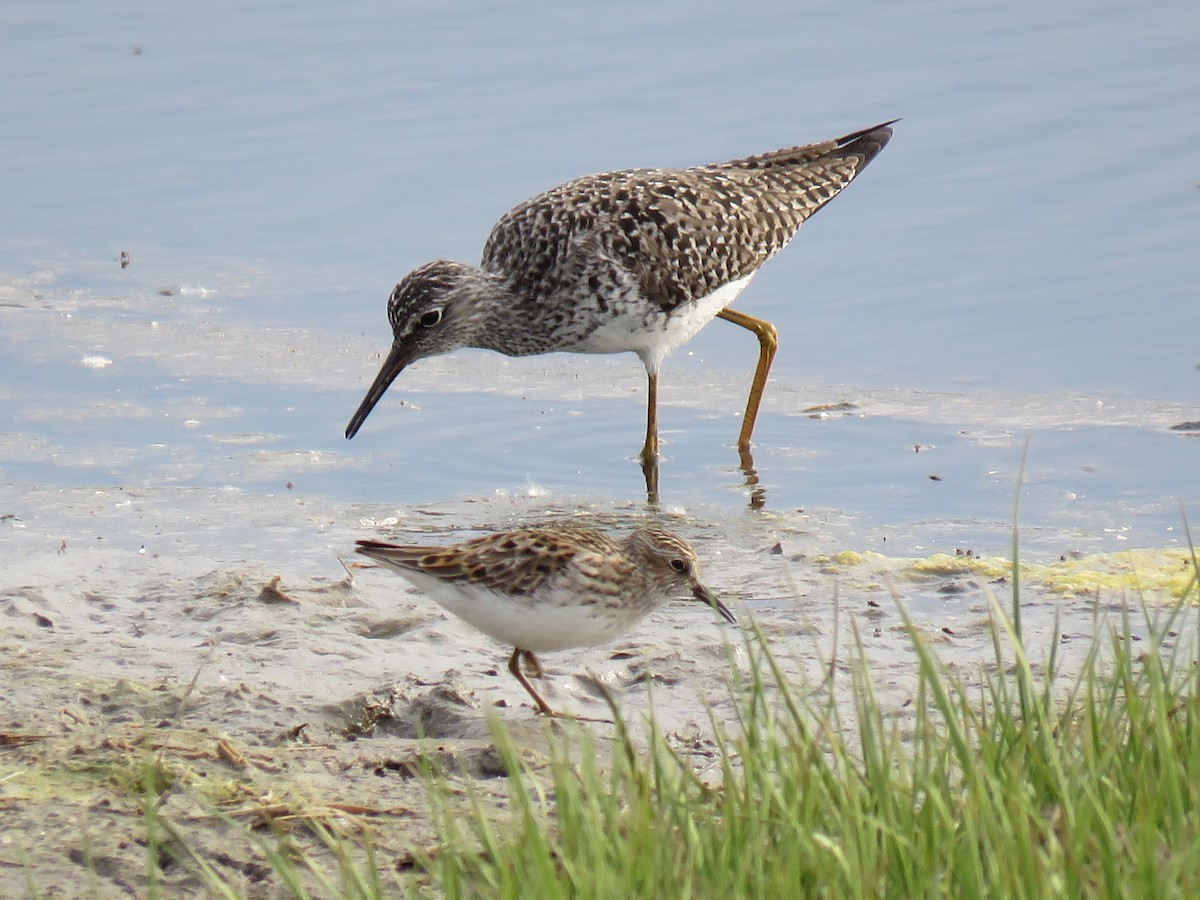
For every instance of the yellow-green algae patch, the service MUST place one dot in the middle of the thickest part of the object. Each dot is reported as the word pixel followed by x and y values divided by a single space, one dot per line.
pixel 1166 574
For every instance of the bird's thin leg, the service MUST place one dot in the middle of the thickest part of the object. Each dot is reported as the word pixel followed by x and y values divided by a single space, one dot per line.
pixel 649 454
pixel 650 448
pixel 514 666
pixel 650 471
pixel 533 663
pixel 768 343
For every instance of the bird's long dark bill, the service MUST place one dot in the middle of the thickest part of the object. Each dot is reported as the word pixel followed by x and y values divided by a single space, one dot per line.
pixel 392 366
pixel 707 597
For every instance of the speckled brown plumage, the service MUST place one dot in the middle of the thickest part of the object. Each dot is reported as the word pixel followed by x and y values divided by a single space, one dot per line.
pixel 635 260
pixel 682 233
pixel 514 562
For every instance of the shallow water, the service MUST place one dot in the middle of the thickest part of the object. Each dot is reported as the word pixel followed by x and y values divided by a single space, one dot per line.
pixel 1024 246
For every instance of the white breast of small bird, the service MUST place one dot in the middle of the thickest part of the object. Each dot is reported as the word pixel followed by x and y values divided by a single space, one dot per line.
pixel 555 620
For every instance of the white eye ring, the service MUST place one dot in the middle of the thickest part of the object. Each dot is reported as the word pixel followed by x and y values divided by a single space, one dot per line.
pixel 678 565
pixel 431 318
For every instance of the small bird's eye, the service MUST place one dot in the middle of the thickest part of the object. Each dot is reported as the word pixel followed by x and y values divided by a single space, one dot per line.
pixel 679 565
pixel 431 318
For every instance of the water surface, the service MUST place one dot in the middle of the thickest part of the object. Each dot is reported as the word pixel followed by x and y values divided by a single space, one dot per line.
pixel 1018 264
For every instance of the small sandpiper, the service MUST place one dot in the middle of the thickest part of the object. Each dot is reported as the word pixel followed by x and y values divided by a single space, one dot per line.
pixel 636 260
pixel 551 588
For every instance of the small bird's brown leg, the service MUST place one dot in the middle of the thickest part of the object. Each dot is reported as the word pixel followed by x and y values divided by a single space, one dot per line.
pixel 532 662
pixel 768 343
pixel 514 666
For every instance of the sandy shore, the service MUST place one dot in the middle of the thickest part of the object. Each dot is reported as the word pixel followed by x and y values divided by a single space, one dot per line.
pixel 231 641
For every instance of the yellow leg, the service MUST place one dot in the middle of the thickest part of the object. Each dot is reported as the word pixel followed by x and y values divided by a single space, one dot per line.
pixel 650 448
pixel 650 471
pixel 768 343
pixel 649 454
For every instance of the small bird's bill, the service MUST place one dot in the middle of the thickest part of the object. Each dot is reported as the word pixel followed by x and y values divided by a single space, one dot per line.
pixel 704 595
pixel 396 360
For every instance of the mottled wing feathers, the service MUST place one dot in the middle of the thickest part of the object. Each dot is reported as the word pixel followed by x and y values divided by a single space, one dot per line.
pixel 679 233
pixel 514 562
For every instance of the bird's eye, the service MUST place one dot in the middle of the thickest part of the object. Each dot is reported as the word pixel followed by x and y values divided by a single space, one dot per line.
pixel 431 318
pixel 679 565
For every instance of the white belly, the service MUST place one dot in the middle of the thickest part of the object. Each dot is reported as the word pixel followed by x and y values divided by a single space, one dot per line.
pixel 555 623
pixel 654 336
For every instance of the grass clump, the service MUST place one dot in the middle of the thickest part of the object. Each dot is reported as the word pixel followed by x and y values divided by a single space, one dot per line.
pixel 1014 785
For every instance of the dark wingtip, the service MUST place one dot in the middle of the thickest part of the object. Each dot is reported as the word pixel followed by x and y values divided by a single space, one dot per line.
pixel 869 141
pixel 883 129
